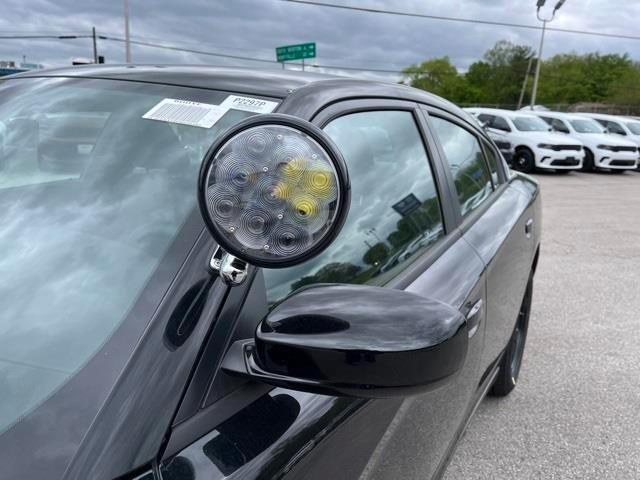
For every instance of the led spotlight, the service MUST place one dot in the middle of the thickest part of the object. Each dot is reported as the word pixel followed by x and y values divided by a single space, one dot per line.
pixel 274 190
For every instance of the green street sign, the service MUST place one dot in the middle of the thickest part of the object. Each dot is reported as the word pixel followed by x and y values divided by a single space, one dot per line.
pixel 296 52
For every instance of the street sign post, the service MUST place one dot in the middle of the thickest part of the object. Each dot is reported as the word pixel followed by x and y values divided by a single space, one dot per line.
pixel 296 52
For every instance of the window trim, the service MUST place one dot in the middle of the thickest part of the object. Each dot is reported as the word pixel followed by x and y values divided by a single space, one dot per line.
pixel 486 145
pixel 421 262
pixel 349 107
pixel 464 223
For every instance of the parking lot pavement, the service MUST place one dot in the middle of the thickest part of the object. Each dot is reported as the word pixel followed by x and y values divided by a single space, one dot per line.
pixel 576 411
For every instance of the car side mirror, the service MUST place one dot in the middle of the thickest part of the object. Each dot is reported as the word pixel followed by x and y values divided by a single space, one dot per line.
pixel 354 340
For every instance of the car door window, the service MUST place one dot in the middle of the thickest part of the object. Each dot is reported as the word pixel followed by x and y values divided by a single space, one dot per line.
pixel 615 128
pixel 500 124
pixel 467 164
pixel 395 213
pixel 559 126
pixel 486 119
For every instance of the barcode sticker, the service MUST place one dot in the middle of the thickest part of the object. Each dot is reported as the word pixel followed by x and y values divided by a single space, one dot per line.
pixel 184 112
pixel 249 104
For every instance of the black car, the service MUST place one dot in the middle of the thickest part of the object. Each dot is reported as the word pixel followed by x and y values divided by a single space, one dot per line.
pixel 344 245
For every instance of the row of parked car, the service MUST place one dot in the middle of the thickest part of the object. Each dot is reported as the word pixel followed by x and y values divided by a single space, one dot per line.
pixel 563 142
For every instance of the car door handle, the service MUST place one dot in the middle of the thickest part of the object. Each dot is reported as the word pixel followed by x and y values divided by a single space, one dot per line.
pixel 474 317
pixel 528 228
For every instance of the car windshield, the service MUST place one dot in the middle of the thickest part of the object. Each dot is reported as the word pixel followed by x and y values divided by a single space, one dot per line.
pixel 634 127
pixel 93 194
pixel 586 126
pixel 530 124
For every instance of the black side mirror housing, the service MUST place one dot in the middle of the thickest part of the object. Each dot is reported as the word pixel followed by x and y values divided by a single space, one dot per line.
pixel 354 340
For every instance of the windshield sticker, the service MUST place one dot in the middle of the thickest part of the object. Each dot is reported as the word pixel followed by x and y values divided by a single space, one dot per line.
pixel 184 112
pixel 249 104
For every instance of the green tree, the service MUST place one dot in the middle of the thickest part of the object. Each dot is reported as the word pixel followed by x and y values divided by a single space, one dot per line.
pixel 572 78
pixel 626 88
pixel 498 77
pixel 377 254
pixel 440 77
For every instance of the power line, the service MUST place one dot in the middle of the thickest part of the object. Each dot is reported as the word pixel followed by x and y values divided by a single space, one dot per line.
pixel 459 19
pixel 194 51
pixel 219 48
pixel 188 50
pixel 36 36
pixel 241 57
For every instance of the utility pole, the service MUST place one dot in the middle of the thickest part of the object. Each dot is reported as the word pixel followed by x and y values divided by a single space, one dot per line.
pixel 539 60
pixel 95 45
pixel 524 83
pixel 127 39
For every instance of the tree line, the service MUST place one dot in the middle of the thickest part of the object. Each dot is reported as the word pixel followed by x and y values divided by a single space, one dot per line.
pixel 498 78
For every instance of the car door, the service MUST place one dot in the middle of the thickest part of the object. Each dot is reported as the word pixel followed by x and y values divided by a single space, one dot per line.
pixel 502 231
pixel 401 232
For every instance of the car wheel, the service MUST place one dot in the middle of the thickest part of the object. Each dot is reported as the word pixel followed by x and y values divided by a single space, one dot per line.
pixel 588 163
pixel 512 360
pixel 524 161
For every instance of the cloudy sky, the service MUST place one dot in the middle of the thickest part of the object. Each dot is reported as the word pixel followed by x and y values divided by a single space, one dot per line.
pixel 254 27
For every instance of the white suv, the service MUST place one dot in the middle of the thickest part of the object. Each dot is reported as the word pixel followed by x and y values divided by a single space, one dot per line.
pixel 626 127
pixel 535 146
pixel 601 150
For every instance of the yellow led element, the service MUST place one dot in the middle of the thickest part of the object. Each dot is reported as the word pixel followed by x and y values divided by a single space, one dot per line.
pixel 305 206
pixel 319 183
pixel 294 169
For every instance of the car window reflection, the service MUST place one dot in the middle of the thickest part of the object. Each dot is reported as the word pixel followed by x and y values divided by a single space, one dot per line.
pixel 394 214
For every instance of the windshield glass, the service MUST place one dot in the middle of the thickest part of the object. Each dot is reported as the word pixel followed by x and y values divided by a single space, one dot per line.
pixel 634 127
pixel 530 124
pixel 92 194
pixel 586 126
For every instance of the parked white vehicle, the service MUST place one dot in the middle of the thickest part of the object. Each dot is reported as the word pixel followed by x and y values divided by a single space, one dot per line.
pixel 535 145
pixel 616 125
pixel 602 150
pixel 626 127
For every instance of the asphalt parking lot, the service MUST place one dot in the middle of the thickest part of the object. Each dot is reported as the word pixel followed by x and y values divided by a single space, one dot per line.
pixel 576 411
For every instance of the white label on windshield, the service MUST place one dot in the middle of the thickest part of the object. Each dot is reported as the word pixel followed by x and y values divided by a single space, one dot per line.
pixel 249 104
pixel 184 112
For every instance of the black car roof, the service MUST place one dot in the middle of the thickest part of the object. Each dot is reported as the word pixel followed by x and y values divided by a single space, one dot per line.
pixel 269 83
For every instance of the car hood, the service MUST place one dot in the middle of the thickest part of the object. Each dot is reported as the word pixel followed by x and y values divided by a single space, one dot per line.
pixel 556 139
pixel 605 139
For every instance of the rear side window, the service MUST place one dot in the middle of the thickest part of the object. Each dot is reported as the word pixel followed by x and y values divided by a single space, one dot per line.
pixel 465 159
pixel 395 212
pixel 501 124
pixel 615 128
pixel 559 126
pixel 486 118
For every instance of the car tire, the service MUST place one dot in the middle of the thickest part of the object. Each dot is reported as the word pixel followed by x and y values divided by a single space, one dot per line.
pixel 511 361
pixel 524 161
pixel 588 164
